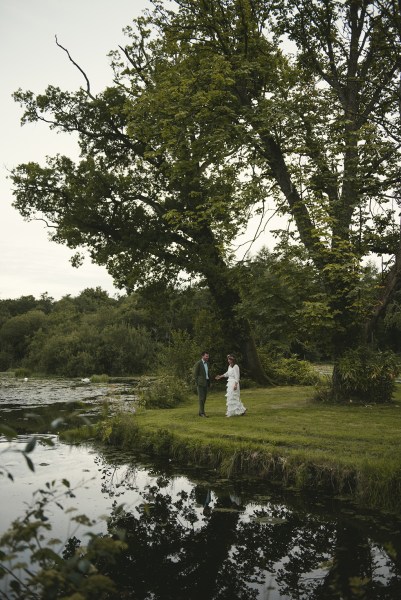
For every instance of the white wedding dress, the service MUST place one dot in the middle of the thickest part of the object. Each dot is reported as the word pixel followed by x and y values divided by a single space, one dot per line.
pixel 234 404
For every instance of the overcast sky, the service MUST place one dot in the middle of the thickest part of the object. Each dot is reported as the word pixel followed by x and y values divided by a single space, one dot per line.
pixel 30 59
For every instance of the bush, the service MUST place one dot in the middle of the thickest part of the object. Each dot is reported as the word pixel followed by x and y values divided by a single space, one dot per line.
pixel 124 350
pixel 179 358
pixel 116 349
pixel 100 378
pixel 5 360
pixel 33 568
pixel 289 371
pixel 22 372
pixel 365 375
pixel 17 333
pixel 164 392
pixel 60 354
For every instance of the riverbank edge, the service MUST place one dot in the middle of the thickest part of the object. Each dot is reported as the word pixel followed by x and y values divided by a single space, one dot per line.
pixel 364 486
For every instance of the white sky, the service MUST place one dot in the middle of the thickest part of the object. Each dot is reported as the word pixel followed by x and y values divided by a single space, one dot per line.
pixel 30 59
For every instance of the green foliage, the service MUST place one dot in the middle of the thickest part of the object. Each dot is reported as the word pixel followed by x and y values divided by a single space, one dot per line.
pixel 166 391
pixel 5 360
pixel 136 334
pixel 389 328
pixel 180 356
pixel 36 566
pixel 210 334
pixel 161 149
pixel 22 372
pixel 18 306
pixel 289 371
pixel 393 316
pixel 277 290
pixel 209 118
pixel 125 350
pixel 366 375
pixel 225 121
pixel 93 300
pixel 83 343
pixel 100 378
pixel 17 332
pixel 62 353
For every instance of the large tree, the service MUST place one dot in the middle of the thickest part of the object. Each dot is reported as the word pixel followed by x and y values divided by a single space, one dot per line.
pixel 207 111
pixel 153 195
pixel 322 125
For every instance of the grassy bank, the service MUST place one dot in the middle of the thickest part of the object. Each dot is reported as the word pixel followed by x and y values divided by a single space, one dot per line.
pixel 344 450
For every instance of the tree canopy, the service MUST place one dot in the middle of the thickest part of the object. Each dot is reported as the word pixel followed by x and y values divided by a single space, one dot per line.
pixel 217 109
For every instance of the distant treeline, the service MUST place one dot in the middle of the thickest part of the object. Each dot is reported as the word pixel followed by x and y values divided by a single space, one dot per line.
pixel 167 326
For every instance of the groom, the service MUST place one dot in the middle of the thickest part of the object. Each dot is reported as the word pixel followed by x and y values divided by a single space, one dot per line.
pixel 202 381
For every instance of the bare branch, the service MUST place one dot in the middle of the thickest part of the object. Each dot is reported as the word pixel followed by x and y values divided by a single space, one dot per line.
pixel 78 67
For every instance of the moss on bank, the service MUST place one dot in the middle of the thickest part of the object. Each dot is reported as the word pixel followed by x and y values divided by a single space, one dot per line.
pixel 353 451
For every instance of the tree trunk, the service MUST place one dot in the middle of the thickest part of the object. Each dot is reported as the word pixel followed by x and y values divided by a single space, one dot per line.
pixel 392 285
pixel 348 330
pixel 237 329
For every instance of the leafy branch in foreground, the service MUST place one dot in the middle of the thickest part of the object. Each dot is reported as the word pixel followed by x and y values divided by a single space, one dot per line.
pixel 34 565
pixel 29 447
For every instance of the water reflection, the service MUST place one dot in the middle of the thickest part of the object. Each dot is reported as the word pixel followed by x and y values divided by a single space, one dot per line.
pixel 191 535
pixel 217 540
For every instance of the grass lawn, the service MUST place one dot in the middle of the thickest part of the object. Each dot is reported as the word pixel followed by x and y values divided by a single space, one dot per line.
pixel 353 450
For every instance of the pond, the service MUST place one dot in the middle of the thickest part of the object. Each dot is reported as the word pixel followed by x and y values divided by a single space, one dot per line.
pixel 190 534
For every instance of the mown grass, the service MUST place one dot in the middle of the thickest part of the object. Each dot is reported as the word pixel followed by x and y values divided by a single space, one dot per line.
pixel 349 450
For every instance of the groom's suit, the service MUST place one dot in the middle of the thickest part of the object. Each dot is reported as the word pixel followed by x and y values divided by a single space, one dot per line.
pixel 202 381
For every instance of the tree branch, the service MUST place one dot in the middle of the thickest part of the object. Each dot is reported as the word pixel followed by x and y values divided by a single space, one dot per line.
pixel 78 67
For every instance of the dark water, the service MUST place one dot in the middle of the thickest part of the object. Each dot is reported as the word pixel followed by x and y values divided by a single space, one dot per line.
pixel 191 534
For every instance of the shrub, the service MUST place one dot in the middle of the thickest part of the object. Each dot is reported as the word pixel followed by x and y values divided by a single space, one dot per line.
pixel 366 375
pixel 17 333
pixel 22 372
pixel 58 354
pixel 179 358
pixel 32 568
pixel 85 349
pixel 289 371
pixel 100 378
pixel 80 364
pixel 124 350
pixel 164 392
pixel 5 360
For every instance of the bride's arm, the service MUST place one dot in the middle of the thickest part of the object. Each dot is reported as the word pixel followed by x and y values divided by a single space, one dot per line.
pixel 221 376
pixel 236 376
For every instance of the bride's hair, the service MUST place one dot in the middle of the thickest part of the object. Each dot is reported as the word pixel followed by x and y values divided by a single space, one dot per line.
pixel 232 357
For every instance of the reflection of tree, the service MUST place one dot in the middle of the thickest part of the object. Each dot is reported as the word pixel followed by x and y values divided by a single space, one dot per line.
pixel 316 560
pixel 168 557
pixel 279 542
pixel 203 545
pixel 355 573
pixel 215 573
pixel 350 576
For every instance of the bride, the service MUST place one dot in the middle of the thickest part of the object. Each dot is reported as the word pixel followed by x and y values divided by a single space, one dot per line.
pixel 234 404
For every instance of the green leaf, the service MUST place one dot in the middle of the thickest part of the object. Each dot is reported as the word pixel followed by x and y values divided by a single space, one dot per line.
pixel 9 432
pixel 30 446
pixel 29 462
